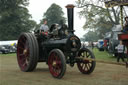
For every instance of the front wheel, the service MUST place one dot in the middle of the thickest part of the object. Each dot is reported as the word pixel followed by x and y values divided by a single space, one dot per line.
pixel 57 63
pixel 86 66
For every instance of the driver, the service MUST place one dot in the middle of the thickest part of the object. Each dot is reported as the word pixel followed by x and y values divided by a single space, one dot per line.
pixel 44 27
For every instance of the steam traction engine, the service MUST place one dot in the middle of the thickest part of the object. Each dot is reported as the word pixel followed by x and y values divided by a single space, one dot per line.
pixel 58 48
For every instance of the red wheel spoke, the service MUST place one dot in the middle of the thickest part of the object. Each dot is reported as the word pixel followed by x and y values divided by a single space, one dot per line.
pixel 24 64
pixel 55 59
pixel 27 59
pixel 24 38
pixel 53 54
pixel 58 65
pixel 82 65
pixel 89 65
pixel 21 43
pixel 23 60
pixel 58 61
pixel 55 64
pixel 21 48
pixel 22 57
pixel 86 67
pixel 87 54
pixel 55 71
pixel 58 71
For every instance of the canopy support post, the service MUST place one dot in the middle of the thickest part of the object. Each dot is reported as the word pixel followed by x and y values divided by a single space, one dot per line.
pixel 121 15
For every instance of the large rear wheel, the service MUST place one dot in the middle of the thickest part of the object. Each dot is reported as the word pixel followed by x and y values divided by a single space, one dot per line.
pixel 86 66
pixel 27 52
pixel 57 63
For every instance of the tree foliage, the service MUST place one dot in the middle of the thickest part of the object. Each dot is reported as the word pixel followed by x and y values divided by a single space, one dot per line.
pixel 14 19
pixel 54 14
pixel 90 36
pixel 98 17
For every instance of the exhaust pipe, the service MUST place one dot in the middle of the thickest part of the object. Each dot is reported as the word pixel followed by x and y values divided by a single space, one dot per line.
pixel 70 13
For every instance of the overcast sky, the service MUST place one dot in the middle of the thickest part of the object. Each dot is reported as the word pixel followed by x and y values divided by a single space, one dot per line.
pixel 38 7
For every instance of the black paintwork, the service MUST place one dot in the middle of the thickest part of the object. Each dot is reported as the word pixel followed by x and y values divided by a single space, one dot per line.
pixel 68 43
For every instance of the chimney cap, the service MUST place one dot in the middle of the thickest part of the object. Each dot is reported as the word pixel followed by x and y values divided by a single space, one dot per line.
pixel 70 6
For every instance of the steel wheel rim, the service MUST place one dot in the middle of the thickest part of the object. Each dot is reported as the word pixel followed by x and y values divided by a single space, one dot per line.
pixel 85 65
pixel 23 52
pixel 55 65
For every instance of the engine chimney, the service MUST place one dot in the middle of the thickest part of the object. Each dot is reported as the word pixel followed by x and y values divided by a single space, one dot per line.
pixel 70 13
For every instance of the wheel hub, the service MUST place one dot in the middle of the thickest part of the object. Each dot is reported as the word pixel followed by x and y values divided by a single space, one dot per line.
pixel 54 63
pixel 86 64
pixel 25 51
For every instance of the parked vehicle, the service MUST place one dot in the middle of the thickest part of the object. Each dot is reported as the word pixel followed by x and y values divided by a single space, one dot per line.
pixel 12 49
pixel 113 42
pixel 106 41
pixel 9 46
pixel 4 50
pixel 100 45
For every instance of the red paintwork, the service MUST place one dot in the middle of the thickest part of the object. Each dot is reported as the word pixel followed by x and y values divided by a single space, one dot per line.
pixel 55 69
pixel 105 43
pixel 44 33
pixel 21 57
pixel 85 65
pixel 123 36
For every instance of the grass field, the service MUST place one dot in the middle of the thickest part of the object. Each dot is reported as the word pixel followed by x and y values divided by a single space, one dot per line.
pixel 103 55
pixel 104 74
pixel 100 55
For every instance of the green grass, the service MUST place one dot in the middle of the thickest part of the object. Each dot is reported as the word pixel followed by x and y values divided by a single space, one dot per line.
pixel 11 54
pixel 103 55
pixel 100 55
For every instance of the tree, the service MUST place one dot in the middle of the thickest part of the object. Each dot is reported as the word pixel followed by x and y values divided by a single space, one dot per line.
pixel 90 36
pixel 14 19
pixel 98 17
pixel 54 14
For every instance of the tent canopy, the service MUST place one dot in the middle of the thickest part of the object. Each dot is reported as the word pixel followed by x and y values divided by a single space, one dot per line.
pixel 112 3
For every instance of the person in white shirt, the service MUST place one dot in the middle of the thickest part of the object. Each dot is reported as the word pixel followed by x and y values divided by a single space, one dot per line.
pixel 120 50
pixel 44 27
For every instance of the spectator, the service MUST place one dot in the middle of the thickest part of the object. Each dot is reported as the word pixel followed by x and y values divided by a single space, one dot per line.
pixel 120 50
pixel 92 44
pixel 125 30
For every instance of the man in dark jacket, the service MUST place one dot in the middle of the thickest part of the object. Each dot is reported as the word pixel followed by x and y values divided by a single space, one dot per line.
pixel 125 30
